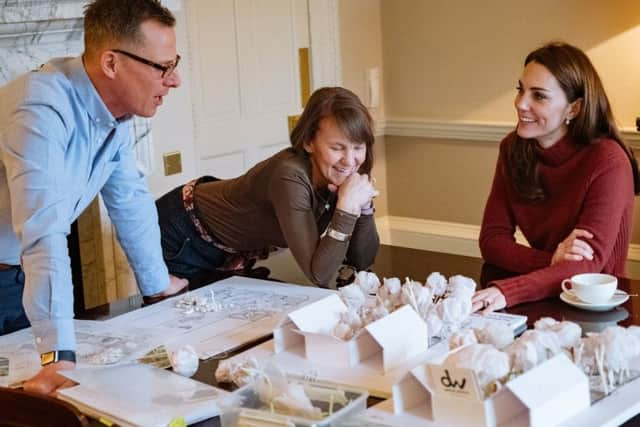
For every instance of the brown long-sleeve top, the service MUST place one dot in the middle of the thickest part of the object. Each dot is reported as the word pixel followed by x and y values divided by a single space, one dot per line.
pixel 275 204
pixel 588 187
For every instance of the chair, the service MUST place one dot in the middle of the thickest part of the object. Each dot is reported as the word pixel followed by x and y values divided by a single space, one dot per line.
pixel 20 408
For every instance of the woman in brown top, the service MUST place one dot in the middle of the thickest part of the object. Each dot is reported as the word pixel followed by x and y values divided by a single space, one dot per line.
pixel 314 197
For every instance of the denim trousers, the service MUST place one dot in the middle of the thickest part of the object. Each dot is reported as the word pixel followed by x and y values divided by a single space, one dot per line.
pixel 12 315
pixel 186 254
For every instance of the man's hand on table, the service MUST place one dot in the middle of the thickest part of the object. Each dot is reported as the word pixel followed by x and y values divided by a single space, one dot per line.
pixel 48 381
pixel 176 285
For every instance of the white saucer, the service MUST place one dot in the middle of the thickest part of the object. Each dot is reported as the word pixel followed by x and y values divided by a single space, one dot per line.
pixel 618 298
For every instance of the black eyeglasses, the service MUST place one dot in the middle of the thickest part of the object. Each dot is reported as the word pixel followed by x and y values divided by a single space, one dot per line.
pixel 167 70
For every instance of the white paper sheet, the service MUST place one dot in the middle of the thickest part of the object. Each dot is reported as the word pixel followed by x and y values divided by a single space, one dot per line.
pixel 251 309
pixel 98 344
pixel 24 360
pixel 141 395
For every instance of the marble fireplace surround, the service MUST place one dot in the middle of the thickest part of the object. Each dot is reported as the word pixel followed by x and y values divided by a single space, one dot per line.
pixel 32 32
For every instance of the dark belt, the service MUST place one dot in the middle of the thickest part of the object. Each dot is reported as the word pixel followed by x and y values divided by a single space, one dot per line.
pixel 6 266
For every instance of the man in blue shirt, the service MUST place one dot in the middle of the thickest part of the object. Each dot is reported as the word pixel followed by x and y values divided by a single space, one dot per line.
pixel 64 137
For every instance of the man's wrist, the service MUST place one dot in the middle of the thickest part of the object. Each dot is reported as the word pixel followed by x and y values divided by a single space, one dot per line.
pixel 57 356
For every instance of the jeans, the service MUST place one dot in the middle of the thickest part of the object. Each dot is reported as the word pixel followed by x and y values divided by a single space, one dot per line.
pixel 186 254
pixel 12 315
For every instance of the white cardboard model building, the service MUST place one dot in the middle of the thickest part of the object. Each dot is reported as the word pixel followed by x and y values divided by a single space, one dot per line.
pixel 546 395
pixel 386 343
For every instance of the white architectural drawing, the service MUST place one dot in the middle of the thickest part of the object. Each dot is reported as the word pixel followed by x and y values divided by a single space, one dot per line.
pixel 98 343
pixel 248 310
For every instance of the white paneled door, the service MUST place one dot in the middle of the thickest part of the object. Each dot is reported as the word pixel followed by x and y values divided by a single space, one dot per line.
pixel 246 79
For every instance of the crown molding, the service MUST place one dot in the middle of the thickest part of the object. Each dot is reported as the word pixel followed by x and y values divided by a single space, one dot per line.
pixel 379 128
pixel 485 131
pixel 447 129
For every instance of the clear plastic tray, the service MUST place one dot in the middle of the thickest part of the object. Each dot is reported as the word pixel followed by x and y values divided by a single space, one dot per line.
pixel 244 408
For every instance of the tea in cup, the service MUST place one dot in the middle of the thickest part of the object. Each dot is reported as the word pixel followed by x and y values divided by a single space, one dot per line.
pixel 592 288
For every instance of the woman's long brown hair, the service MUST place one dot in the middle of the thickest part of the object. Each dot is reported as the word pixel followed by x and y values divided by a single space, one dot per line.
pixel 578 79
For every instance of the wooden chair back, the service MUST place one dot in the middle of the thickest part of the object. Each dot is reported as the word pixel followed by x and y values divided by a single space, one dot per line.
pixel 19 408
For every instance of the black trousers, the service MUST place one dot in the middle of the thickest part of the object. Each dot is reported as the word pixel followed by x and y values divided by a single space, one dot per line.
pixel 186 254
pixel 12 315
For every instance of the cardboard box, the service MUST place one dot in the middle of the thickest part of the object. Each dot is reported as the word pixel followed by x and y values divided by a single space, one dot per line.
pixel 385 344
pixel 441 392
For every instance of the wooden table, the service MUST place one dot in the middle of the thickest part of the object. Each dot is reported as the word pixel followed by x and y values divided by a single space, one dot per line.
pixel 393 261
pixel 416 264
pixel 404 262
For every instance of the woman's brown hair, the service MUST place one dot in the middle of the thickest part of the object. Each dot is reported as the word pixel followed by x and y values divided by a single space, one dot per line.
pixel 578 79
pixel 350 115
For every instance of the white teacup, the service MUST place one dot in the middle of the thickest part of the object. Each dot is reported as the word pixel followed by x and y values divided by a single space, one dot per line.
pixel 592 288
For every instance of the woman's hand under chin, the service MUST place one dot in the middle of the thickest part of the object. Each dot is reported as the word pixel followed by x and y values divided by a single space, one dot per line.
pixel 355 193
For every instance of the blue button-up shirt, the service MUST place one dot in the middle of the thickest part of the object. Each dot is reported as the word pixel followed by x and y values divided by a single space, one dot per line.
pixel 59 147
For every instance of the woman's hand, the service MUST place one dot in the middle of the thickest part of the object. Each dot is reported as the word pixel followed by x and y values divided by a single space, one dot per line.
pixel 488 300
pixel 574 247
pixel 355 193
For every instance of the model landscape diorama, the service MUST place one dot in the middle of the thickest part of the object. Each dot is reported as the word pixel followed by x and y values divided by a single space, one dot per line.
pixel 415 342
pixel 495 360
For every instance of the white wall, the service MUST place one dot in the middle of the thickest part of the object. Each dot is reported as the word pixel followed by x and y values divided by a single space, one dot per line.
pixel 173 123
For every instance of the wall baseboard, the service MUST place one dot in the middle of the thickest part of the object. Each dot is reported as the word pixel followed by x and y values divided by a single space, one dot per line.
pixel 455 238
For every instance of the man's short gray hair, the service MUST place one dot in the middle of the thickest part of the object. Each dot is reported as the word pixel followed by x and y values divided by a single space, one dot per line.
pixel 119 21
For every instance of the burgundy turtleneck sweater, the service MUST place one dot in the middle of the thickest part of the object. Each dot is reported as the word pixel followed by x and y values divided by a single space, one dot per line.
pixel 588 187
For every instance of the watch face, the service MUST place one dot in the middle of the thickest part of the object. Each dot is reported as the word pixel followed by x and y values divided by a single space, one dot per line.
pixel 46 358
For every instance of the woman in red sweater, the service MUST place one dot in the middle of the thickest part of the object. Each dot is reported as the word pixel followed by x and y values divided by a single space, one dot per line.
pixel 565 178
